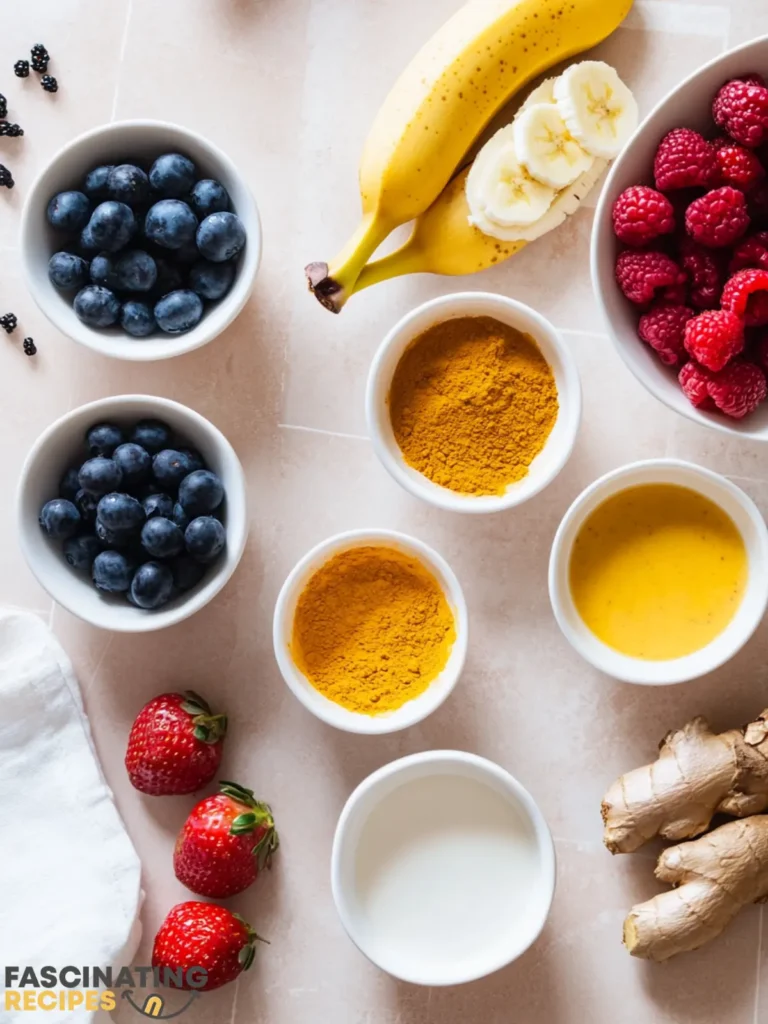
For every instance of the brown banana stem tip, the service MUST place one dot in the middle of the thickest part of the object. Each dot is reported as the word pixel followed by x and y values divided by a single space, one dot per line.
pixel 325 289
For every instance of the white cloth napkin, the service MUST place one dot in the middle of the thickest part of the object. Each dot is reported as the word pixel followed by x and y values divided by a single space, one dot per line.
pixel 70 879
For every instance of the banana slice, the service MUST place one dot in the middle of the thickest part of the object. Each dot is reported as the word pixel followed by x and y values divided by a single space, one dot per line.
pixel 566 203
pixel 500 189
pixel 598 109
pixel 544 93
pixel 546 148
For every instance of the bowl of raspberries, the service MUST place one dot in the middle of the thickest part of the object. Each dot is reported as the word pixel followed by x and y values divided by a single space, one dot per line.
pixel 141 240
pixel 680 246
pixel 132 512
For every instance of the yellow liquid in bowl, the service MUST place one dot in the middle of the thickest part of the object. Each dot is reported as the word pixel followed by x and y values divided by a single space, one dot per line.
pixel 658 571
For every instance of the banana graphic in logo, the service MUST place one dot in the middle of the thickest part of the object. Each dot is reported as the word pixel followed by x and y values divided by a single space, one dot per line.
pixel 154 1005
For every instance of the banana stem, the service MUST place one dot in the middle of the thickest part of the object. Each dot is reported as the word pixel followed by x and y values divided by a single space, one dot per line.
pixel 408 259
pixel 334 284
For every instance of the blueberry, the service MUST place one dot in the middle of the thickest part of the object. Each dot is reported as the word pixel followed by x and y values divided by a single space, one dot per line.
pixel 172 175
pixel 152 585
pixel 137 319
pixel 86 505
pixel 208 196
pixel 128 184
pixel 180 516
pixel 169 278
pixel 112 225
pixel 69 211
pixel 103 271
pixel 103 438
pixel 170 224
pixel 88 243
pixel 112 572
pixel 161 538
pixel 136 271
pixel 201 492
pixel 211 280
pixel 221 236
pixel 196 460
pixel 66 270
pixel 95 184
pixel 178 311
pixel 169 468
pixel 158 505
pixel 96 306
pixel 59 518
pixel 120 513
pixel 187 572
pixel 113 538
pixel 205 538
pixel 100 476
pixel 152 435
pixel 135 462
pixel 69 484
pixel 80 552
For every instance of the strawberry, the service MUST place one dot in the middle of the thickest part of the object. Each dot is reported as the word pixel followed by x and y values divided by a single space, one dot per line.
pixel 175 745
pixel 204 935
pixel 224 843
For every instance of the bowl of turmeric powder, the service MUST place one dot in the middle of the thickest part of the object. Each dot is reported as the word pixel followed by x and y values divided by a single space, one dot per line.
pixel 370 631
pixel 473 402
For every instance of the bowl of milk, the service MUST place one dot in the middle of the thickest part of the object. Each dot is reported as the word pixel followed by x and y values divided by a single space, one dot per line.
pixel 443 868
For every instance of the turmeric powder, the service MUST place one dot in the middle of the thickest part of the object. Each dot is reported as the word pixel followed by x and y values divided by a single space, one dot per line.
pixel 472 403
pixel 372 629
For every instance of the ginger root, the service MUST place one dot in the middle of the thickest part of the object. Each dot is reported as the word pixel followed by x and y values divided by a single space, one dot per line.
pixel 715 877
pixel 698 774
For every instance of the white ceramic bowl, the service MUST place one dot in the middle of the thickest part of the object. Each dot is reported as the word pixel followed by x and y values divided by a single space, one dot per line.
pixel 559 445
pixel 58 448
pixel 689 105
pixel 722 492
pixel 420 966
pixel 327 710
pixel 137 140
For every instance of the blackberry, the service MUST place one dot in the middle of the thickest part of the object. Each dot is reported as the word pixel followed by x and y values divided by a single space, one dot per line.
pixel 40 64
pixel 13 131
pixel 38 50
pixel 3 105
pixel 8 322
pixel 21 69
pixel 29 347
pixel 6 178
pixel 49 83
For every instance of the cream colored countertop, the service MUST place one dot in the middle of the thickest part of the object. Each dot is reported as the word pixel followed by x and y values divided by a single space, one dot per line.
pixel 288 88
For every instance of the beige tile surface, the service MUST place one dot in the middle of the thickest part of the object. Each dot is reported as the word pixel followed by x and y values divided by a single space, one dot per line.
pixel 288 88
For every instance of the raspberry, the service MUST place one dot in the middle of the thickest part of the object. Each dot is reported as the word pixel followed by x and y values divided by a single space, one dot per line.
pixel 694 381
pixel 753 78
pixel 738 389
pixel 746 295
pixel 640 274
pixel 738 166
pixel 663 328
pixel 705 275
pixel 717 218
pixel 641 214
pixel 684 159
pixel 741 108
pixel 714 337
pixel 751 252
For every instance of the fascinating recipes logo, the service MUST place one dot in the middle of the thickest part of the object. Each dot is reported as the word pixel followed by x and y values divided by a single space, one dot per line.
pixel 99 988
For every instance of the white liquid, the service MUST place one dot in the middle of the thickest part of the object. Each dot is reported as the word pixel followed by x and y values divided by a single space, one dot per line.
pixel 446 869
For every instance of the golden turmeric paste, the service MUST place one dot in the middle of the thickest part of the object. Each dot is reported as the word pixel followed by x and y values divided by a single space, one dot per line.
pixel 372 629
pixel 472 404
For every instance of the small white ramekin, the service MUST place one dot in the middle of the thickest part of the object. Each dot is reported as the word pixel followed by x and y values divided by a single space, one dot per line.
pixel 722 492
pixel 140 140
pixel 54 452
pixel 344 855
pixel 327 710
pixel 559 445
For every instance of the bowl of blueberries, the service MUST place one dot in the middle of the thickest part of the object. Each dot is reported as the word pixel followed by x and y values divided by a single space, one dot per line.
pixel 132 512
pixel 141 240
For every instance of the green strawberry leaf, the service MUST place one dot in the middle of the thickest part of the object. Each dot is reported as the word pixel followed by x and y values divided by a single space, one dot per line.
pixel 243 824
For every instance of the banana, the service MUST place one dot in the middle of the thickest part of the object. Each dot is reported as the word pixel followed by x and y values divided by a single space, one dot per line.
pixel 544 93
pixel 545 147
pixel 597 107
pixel 501 190
pixel 486 52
